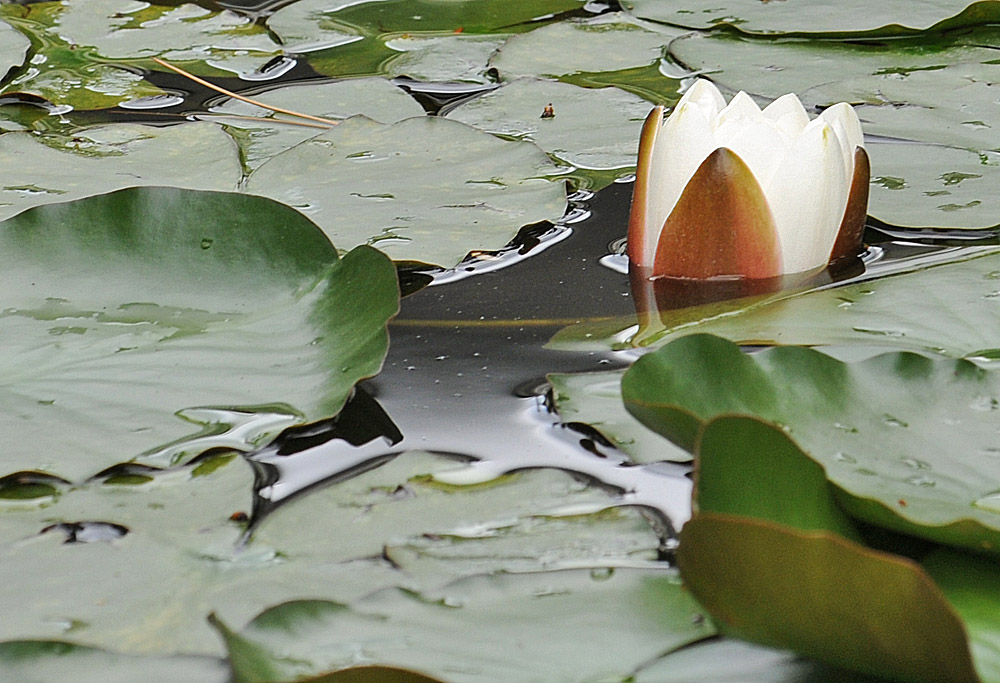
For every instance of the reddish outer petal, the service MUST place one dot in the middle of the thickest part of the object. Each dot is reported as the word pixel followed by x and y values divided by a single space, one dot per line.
pixel 721 225
pixel 848 244
pixel 637 221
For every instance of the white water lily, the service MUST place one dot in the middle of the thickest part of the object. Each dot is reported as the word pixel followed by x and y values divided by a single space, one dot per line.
pixel 736 191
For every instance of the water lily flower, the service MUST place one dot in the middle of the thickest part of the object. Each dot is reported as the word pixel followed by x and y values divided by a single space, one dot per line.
pixel 731 191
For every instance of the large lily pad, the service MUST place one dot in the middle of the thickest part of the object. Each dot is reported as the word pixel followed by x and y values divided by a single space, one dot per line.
pixel 454 57
pixel 614 42
pixel 896 88
pixel 122 309
pixel 82 37
pixel 47 168
pixel 423 189
pixel 933 478
pixel 893 17
pixel 591 129
pixel 468 630
pixel 376 98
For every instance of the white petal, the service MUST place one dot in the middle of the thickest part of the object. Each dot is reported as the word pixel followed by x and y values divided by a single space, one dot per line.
pixel 685 141
pixel 741 107
pixel 848 118
pixel 707 95
pixel 808 195
pixel 757 141
pixel 788 113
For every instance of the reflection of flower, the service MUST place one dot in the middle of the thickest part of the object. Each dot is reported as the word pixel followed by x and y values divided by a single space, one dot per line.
pixel 732 191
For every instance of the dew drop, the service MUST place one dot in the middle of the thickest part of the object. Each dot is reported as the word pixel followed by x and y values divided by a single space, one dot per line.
pixel 892 421
pixel 207 243
pixel 844 457
pixel 922 481
pixel 601 573
pixel 916 464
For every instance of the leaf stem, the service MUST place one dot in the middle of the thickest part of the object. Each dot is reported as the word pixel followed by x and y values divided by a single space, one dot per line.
pixel 216 88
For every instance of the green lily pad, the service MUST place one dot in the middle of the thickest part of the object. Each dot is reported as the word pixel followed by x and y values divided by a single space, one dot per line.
pixel 376 98
pixel 423 189
pixel 14 47
pixel 595 398
pixel 591 129
pixel 455 57
pixel 826 598
pixel 122 309
pixel 40 660
pixel 768 507
pixel 89 43
pixel 932 478
pixel 314 20
pixel 947 308
pixel 467 629
pixel 55 167
pixel 896 88
pixel 614 42
pixel 894 17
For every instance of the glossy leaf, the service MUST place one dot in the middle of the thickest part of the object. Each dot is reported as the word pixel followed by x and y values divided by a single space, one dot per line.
pixel 455 57
pixel 424 189
pixel 817 17
pixel 591 129
pixel 124 309
pixel 827 598
pixel 42 169
pixel 466 630
pixel 376 98
pixel 929 480
pixel 614 41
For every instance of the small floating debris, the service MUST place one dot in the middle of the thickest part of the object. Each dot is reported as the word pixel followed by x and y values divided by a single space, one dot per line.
pixel 548 112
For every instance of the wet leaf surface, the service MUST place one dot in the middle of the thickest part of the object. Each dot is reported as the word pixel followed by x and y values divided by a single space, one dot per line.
pixel 930 480
pixel 815 17
pixel 124 309
pixel 423 189
pixel 590 129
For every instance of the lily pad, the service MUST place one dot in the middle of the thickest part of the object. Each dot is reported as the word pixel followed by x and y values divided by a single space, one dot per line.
pixel 424 189
pixel 306 20
pixel 123 309
pixel 14 47
pixel 591 129
pixel 455 57
pixel 768 508
pixel 467 630
pixel 614 42
pixel 896 88
pixel 933 478
pixel 54 167
pixel 40 660
pixel 851 17
pixel 81 37
pixel 945 308
pixel 594 398
pixel 376 98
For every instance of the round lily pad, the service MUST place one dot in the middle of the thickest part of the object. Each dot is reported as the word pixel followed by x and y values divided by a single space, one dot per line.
pixel 423 189
pixel 454 57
